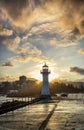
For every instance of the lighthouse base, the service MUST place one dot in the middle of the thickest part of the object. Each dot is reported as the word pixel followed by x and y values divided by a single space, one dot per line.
pixel 45 97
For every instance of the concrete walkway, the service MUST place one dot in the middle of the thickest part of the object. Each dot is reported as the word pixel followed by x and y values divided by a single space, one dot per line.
pixel 69 115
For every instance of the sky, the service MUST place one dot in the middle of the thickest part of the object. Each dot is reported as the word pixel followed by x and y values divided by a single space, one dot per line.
pixel 36 31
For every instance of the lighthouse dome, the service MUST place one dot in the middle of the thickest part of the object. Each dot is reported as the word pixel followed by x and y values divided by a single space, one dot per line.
pixel 45 66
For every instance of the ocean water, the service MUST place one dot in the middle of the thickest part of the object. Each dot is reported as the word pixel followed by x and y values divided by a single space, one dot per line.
pixel 68 115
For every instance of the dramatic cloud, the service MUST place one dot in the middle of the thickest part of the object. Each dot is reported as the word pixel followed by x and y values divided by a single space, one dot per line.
pixel 77 70
pixel 52 35
pixel 68 14
pixel 60 19
pixel 35 31
pixel 5 31
pixel 28 49
pixel 13 43
pixel 18 12
pixel 28 52
pixel 7 64
pixel 81 51
pixel 25 52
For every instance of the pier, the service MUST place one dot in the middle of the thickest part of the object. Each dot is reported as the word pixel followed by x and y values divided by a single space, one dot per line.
pixel 38 113
pixel 13 105
pixel 46 115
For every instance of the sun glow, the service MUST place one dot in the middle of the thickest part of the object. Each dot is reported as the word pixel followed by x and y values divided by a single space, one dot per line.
pixel 38 75
pixel 53 76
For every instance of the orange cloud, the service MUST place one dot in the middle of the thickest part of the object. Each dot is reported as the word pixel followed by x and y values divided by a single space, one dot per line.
pixel 51 16
pixel 5 31
pixel 68 14
pixel 7 64
pixel 81 51
pixel 13 43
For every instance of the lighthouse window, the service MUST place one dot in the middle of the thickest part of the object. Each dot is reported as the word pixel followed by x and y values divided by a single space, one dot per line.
pixel 45 67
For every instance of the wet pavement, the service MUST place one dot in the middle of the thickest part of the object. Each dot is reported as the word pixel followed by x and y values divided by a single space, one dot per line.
pixel 27 118
pixel 68 115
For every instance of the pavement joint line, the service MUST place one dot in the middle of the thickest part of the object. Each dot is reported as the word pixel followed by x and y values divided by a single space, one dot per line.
pixel 45 122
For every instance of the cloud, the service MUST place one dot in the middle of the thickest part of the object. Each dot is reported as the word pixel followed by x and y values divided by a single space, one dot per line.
pixel 29 49
pixel 12 43
pixel 28 52
pixel 53 42
pixel 7 64
pixel 77 70
pixel 18 12
pixel 60 19
pixel 27 58
pixel 5 31
pixel 67 14
pixel 44 24
pixel 81 51
pixel 7 78
pixel 53 35
pixel 24 51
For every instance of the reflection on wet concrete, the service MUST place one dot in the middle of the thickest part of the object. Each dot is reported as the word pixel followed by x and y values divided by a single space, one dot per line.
pixel 68 115
pixel 28 118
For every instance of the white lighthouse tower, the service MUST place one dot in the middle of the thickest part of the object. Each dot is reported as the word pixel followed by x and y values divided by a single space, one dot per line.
pixel 45 92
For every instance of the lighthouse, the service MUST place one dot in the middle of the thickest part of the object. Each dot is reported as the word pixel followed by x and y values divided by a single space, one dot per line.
pixel 45 92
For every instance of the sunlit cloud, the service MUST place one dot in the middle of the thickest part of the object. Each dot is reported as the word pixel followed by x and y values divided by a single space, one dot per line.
pixel 44 21
pixel 53 42
pixel 29 13
pixel 13 43
pixel 7 64
pixel 33 29
pixel 81 51
pixel 5 31
pixel 29 49
pixel 54 34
